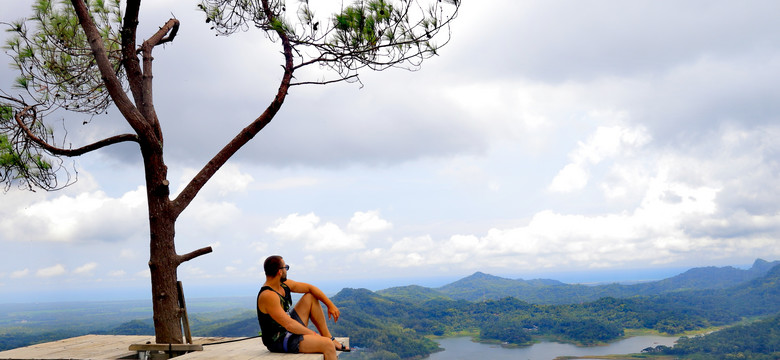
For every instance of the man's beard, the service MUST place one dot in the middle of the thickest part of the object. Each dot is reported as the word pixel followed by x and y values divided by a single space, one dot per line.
pixel 284 278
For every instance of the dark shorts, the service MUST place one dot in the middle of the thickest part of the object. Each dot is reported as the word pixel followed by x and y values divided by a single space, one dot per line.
pixel 290 342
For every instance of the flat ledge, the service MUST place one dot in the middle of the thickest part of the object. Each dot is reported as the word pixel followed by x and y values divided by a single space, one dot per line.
pixel 113 347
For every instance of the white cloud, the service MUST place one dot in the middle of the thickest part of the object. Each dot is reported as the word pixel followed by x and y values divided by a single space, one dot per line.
pixel 572 177
pixel 213 213
pixel 368 222
pixel 18 274
pixel 213 217
pixel 55 270
pixel 86 268
pixel 295 226
pixel 408 252
pixel 117 273
pixel 89 216
pixel 314 236
pixel 605 143
pixel 609 142
pixel 677 217
pixel 229 179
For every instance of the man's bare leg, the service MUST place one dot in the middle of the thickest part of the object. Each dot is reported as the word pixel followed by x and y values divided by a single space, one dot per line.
pixel 308 308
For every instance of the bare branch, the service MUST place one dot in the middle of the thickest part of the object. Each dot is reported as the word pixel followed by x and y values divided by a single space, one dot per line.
pixel 133 116
pixel 146 106
pixel 129 59
pixel 350 78
pixel 171 28
pixel 248 133
pixel 187 257
pixel 28 113
pixel 172 34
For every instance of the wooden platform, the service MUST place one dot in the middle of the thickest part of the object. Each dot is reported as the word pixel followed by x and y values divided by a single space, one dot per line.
pixel 113 347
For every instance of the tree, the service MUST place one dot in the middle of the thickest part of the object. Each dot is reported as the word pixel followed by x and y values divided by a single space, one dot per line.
pixel 83 56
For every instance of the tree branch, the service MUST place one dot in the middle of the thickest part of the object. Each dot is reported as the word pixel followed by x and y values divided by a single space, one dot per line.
pixel 129 58
pixel 171 27
pixel 172 34
pixel 326 82
pixel 68 152
pixel 134 117
pixel 187 257
pixel 245 135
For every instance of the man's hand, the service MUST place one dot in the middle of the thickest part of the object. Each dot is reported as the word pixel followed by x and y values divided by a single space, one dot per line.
pixel 333 313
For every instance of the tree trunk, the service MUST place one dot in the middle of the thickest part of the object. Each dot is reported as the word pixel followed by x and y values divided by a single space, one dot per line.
pixel 141 116
pixel 163 260
pixel 163 265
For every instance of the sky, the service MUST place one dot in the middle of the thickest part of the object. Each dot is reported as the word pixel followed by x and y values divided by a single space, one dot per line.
pixel 574 140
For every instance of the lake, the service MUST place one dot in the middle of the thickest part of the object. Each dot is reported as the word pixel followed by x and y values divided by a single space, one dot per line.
pixel 462 348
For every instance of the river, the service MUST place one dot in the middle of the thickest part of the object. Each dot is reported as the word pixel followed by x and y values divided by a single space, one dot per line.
pixel 462 348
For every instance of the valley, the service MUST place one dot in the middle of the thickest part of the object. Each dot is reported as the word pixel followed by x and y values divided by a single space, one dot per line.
pixel 399 323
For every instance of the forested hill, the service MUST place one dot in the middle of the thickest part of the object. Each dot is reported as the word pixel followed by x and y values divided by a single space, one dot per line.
pixel 480 286
pixel 396 327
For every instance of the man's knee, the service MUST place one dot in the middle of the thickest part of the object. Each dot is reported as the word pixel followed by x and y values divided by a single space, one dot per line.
pixel 305 306
pixel 309 300
pixel 309 297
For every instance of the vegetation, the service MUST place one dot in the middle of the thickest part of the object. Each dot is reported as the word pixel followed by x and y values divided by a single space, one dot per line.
pixel 393 328
pixel 756 341
pixel 15 339
pixel 514 321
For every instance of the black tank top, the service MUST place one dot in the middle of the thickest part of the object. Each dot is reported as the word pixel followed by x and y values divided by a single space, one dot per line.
pixel 271 330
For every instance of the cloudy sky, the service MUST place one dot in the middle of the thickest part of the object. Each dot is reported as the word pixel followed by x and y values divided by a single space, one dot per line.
pixel 576 140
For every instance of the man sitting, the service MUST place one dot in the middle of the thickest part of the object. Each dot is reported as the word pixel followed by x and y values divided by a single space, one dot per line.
pixel 286 330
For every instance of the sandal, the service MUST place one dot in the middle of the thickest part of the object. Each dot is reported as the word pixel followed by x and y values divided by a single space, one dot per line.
pixel 343 348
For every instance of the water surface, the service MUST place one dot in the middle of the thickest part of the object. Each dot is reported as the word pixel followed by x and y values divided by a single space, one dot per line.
pixel 462 348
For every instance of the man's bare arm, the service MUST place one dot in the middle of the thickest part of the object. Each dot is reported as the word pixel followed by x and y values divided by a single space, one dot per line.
pixel 303 288
pixel 269 304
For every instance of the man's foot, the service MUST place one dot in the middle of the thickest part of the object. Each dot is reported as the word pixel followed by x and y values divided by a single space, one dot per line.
pixel 340 347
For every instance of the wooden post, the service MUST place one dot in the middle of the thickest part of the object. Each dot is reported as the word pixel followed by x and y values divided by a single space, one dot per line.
pixel 183 313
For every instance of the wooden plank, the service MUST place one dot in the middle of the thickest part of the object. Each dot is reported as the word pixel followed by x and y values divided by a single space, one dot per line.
pixel 97 347
pixel 252 348
pixel 183 309
pixel 113 347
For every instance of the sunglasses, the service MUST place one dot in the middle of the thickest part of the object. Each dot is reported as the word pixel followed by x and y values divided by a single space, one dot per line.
pixel 286 267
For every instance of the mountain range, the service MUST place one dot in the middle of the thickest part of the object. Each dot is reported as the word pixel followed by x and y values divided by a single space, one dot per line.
pixel 702 298
pixel 481 286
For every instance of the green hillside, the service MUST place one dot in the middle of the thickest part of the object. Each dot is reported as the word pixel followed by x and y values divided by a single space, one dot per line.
pixel 397 323
pixel 755 341
pixel 514 321
pixel 481 286
pixel 413 293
